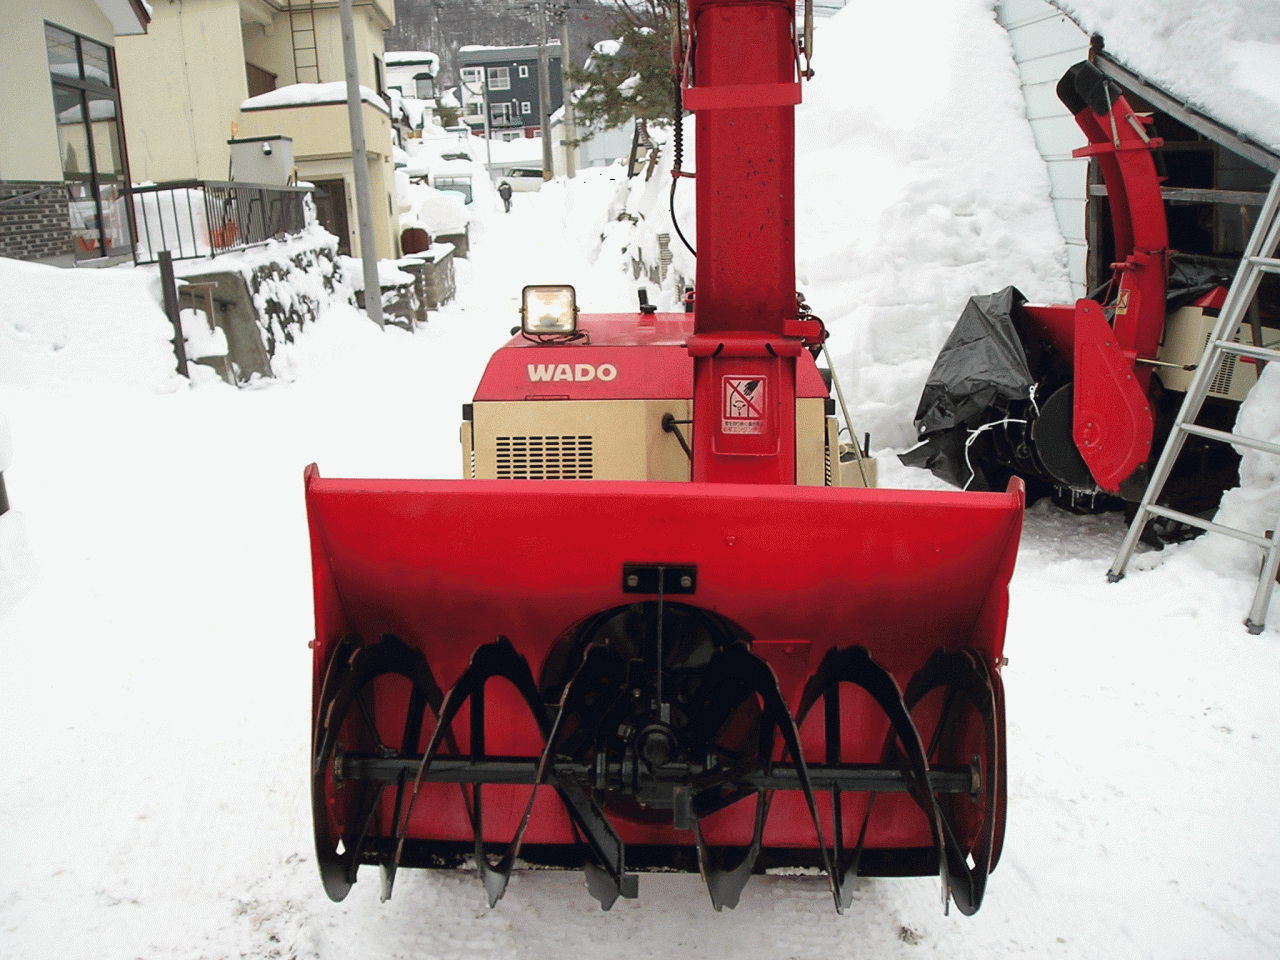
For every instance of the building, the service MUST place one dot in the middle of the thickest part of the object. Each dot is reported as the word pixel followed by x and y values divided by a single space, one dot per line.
pixel 506 79
pixel 412 74
pixel 1217 169
pixel 213 71
pixel 63 164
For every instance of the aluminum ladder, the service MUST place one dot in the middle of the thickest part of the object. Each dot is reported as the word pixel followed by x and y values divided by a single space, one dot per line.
pixel 1259 258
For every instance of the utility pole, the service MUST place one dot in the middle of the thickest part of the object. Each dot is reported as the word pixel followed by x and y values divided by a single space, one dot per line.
pixel 570 131
pixel 544 90
pixel 488 131
pixel 360 168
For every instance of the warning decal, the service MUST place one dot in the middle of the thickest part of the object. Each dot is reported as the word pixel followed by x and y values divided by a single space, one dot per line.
pixel 743 405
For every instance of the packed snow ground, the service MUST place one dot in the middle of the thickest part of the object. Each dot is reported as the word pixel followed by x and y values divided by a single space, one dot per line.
pixel 156 672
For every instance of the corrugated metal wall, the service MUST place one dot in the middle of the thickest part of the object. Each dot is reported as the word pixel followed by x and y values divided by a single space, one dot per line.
pixel 1045 43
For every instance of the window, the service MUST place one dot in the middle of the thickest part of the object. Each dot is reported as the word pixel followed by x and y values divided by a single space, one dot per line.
pixel 475 108
pixel 499 78
pixel 500 114
pixel 525 107
pixel 524 71
pixel 90 142
pixel 470 74
pixel 424 86
pixel 379 83
pixel 260 81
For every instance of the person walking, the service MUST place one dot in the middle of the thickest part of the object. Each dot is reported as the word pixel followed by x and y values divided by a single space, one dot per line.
pixel 504 191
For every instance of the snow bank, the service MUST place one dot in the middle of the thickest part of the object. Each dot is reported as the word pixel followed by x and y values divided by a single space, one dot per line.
pixel 17 562
pixel 64 329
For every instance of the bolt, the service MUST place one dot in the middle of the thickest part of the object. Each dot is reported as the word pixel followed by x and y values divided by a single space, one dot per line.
pixel 633 581
pixel 686 582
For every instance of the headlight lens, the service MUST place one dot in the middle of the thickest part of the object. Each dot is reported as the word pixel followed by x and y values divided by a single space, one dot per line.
pixel 549 310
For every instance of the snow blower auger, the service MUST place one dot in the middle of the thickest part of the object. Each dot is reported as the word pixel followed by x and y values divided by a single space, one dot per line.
pixel 676 629
pixel 1078 399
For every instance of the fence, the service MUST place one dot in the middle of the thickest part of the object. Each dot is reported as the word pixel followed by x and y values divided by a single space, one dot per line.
pixel 203 218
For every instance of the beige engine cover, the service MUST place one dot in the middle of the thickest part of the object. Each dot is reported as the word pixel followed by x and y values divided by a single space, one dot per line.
pixel 620 440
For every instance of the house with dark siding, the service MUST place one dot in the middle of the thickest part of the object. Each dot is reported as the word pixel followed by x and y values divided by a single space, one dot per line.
pixel 506 80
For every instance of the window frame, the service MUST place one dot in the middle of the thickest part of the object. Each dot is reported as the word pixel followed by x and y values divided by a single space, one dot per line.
pixel 498 78
pixel 89 196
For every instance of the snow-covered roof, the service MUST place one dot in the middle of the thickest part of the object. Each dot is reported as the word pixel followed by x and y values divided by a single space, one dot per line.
pixel 473 53
pixel 311 94
pixel 412 58
pixel 1219 57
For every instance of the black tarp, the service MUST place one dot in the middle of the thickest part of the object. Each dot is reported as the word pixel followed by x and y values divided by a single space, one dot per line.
pixel 983 360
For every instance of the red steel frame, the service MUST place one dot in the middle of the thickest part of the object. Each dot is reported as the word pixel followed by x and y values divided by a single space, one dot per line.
pixel 747 334
pixel 1113 423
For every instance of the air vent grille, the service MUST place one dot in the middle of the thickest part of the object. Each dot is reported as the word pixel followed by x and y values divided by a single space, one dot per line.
pixel 1221 385
pixel 545 458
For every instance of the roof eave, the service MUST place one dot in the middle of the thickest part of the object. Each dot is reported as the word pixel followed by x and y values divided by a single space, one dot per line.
pixel 128 18
pixel 1238 143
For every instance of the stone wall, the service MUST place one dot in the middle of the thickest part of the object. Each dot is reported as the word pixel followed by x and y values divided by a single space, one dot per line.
pixel 431 286
pixel 264 303
pixel 34 224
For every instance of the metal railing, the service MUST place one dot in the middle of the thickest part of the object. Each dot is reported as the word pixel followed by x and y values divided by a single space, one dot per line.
pixel 203 218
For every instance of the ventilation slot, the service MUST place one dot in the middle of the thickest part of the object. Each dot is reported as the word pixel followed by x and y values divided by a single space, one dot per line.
pixel 1221 386
pixel 544 458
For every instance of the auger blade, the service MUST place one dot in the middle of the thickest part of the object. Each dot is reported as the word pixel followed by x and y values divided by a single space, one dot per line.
pixel 855 665
pixel 964 675
pixel 352 669
pixel 587 700
pixel 497 659
pixel 734 675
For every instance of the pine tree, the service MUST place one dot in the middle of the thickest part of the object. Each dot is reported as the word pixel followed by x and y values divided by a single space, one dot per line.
pixel 635 80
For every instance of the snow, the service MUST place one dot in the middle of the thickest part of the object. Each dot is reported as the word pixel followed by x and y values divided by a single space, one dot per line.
pixel 1221 57
pixel 413 58
pixel 155 596
pixel 311 94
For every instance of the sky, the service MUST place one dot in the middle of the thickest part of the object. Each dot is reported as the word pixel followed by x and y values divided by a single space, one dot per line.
pixel 155 596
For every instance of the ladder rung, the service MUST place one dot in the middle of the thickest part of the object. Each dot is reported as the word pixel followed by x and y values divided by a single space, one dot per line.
pixel 1247 350
pixel 1266 446
pixel 1203 524
pixel 1266 264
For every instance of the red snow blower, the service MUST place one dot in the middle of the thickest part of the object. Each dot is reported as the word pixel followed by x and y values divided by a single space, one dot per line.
pixel 663 624
pixel 1078 399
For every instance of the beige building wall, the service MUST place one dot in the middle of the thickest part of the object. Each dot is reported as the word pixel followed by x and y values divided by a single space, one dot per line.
pixel 29 146
pixel 182 86
pixel 268 40
pixel 322 151
pixel 187 78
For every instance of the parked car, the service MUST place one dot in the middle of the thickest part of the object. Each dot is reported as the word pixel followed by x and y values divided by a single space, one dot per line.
pixel 455 184
pixel 524 179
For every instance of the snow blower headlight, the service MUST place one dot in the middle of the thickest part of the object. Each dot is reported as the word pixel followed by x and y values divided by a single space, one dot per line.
pixel 549 311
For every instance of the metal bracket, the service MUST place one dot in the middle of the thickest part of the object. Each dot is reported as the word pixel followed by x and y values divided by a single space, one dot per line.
pixel 670 578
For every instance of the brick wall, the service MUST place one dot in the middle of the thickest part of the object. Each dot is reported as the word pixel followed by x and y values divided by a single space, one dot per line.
pixel 34 224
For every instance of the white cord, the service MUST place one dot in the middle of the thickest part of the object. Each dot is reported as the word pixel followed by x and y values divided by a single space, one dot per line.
pixel 973 435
